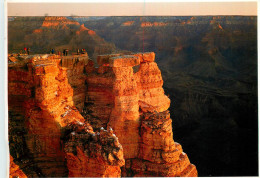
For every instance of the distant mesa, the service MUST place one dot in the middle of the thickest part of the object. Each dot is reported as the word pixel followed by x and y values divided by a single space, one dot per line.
pixel 37 31
pixel 91 32
pixel 189 21
pixel 153 24
pixel 57 21
pixel 216 25
pixel 128 23
pixel 83 28
pixel 220 27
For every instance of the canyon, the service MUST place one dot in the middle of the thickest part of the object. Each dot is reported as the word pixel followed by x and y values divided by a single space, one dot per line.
pixel 208 65
pixel 70 118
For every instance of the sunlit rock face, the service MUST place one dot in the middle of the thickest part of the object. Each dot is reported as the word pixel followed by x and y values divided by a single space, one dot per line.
pixel 68 118
pixel 93 154
pixel 39 93
pixel 75 66
pixel 126 94
pixel 15 170
pixel 45 127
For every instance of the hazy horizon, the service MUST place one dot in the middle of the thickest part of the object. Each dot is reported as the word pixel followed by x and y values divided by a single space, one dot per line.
pixel 133 9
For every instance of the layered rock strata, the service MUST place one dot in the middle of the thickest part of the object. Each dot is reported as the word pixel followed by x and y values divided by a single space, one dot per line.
pixel 41 107
pixel 159 155
pixel 93 154
pixel 113 99
pixel 49 137
pixel 75 66
pixel 125 93
pixel 39 88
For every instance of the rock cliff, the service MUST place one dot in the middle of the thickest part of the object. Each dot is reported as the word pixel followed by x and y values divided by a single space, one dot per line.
pixel 126 94
pixel 59 107
pixel 40 94
pixel 83 28
pixel 15 171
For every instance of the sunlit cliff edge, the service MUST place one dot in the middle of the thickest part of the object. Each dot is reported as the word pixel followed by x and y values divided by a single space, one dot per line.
pixel 69 118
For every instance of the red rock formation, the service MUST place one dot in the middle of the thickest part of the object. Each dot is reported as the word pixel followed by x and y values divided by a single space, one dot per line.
pixel 130 100
pixel 159 155
pixel 37 31
pixel 160 24
pixel 83 28
pixel 154 24
pixel 47 105
pixel 146 24
pixel 57 21
pixel 124 93
pixel 128 23
pixel 220 27
pixel 113 99
pixel 40 92
pixel 93 154
pixel 15 171
pixel 76 77
pixel 91 32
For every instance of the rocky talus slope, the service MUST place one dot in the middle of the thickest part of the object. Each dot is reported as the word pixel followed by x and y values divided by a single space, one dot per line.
pixel 59 107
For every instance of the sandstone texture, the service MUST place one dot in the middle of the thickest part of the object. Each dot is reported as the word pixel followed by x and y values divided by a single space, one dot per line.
pixel 126 94
pixel 69 118
pixel 75 66
pixel 93 154
pixel 41 97
pixel 41 106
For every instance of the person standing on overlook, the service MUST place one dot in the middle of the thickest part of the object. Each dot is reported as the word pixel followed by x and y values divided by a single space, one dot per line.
pixel 83 51
pixel 66 52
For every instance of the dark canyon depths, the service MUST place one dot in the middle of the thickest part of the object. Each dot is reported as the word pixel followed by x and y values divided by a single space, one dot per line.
pixel 209 68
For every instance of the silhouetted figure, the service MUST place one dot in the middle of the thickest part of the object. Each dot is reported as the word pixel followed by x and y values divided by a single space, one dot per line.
pixel 66 52
pixel 28 51
pixel 77 51
pixel 52 51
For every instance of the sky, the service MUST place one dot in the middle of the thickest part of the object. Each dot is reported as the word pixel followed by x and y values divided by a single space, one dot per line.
pixel 144 8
